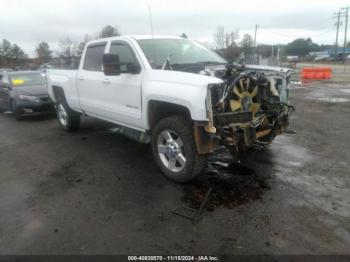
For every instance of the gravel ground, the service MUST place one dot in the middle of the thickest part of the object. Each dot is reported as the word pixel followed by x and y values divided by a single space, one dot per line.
pixel 95 192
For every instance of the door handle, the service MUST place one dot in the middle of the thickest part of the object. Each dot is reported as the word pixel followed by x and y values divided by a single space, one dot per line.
pixel 106 81
pixel 81 78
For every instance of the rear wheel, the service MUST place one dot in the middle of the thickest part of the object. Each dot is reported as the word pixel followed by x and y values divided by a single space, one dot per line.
pixel 68 118
pixel 174 149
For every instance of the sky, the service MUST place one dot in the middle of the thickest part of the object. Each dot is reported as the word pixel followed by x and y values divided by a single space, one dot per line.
pixel 28 22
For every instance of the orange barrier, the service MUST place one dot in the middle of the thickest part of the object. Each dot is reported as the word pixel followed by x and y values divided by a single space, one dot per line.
pixel 316 73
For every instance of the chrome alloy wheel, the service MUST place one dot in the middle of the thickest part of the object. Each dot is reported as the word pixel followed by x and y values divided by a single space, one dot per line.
pixel 171 150
pixel 62 114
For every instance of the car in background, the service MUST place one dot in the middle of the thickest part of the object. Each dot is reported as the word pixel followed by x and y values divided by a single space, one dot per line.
pixel 25 93
pixel 322 58
pixel 3 71
pixel 293 59
pixel 44 67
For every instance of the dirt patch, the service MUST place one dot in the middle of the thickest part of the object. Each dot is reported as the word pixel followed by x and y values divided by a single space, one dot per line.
pixel 232 186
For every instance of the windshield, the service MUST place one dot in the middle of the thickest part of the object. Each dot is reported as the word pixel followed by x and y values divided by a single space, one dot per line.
pixel 180 51
pixel 27 79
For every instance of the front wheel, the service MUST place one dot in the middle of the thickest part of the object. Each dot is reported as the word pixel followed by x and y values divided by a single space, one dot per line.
pixel 15 110
pixel 69 119
pixel 175 151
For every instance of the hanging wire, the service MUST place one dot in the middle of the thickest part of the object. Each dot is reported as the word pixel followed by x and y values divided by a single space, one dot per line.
pixel 329 30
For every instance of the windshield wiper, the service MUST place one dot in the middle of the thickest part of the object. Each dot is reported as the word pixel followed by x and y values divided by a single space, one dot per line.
pixel 170 66
pixel 212 62
pixel 167 63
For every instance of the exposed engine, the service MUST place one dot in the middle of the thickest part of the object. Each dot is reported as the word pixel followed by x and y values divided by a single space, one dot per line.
pixel 251 107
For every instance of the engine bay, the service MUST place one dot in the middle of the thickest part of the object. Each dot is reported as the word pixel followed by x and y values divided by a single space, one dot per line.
pixel 251 107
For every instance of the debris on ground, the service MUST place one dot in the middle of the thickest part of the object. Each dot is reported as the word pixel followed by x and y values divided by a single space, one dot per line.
pixel 232 185
pixel 290 131
pixel 192 213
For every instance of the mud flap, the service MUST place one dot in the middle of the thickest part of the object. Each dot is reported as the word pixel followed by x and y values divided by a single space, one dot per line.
pixel 204 141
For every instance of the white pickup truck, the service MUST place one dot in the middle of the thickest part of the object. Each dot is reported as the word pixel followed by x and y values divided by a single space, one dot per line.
pixel 176 94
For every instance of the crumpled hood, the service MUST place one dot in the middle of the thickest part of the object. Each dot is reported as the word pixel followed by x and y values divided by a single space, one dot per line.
pixel 34 90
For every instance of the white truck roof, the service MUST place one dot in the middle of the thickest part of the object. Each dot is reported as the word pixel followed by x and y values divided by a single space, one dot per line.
pixel 136 37
pixel 139 37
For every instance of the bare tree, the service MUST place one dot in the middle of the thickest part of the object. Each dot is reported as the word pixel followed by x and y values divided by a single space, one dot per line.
pixel 230 38
pixel 219 37
pixel 67 47
pixel 232 50
pixel 80 47
pixel 247 44
pixel 43 52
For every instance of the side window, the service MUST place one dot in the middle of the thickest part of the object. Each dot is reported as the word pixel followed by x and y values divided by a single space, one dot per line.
pixel 125 53
pixel 93 57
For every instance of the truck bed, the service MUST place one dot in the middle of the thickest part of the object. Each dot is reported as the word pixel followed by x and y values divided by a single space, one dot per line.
pixel 67 79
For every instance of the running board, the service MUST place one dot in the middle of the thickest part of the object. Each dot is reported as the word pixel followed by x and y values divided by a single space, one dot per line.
pixel 133 134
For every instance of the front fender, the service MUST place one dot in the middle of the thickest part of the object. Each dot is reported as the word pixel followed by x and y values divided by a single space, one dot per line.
pixel 190 97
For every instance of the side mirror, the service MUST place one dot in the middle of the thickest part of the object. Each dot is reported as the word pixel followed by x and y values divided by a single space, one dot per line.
pixel 133 68
pixel 111 64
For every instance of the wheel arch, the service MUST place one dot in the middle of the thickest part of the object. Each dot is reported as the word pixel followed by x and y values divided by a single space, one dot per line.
pixel 158 110
pixel 58 92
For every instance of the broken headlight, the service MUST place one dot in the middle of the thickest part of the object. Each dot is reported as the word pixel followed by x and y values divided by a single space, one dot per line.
pixel 216 92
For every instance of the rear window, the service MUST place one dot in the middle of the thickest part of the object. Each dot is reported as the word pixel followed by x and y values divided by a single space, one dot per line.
pixel 93 57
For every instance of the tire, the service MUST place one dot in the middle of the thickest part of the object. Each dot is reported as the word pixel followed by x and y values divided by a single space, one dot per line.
pixel 173 140
pixel 15 110
pixel 68 118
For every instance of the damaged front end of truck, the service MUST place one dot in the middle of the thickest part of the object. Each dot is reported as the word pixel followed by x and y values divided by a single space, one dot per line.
pixel 247 111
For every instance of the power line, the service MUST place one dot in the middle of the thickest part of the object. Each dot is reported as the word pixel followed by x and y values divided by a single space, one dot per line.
pixel 295 35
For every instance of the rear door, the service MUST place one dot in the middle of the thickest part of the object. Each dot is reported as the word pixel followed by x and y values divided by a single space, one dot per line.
pixel 90 81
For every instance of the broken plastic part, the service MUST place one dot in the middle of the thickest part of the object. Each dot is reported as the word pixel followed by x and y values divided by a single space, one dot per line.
pixel 204 141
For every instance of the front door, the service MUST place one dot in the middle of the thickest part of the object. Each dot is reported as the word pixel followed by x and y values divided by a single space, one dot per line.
pixel 124 90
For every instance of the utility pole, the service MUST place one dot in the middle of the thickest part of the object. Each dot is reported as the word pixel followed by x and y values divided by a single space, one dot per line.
pixel 346 10
pixel 256 44
pixel 337 16
pixel 272 55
